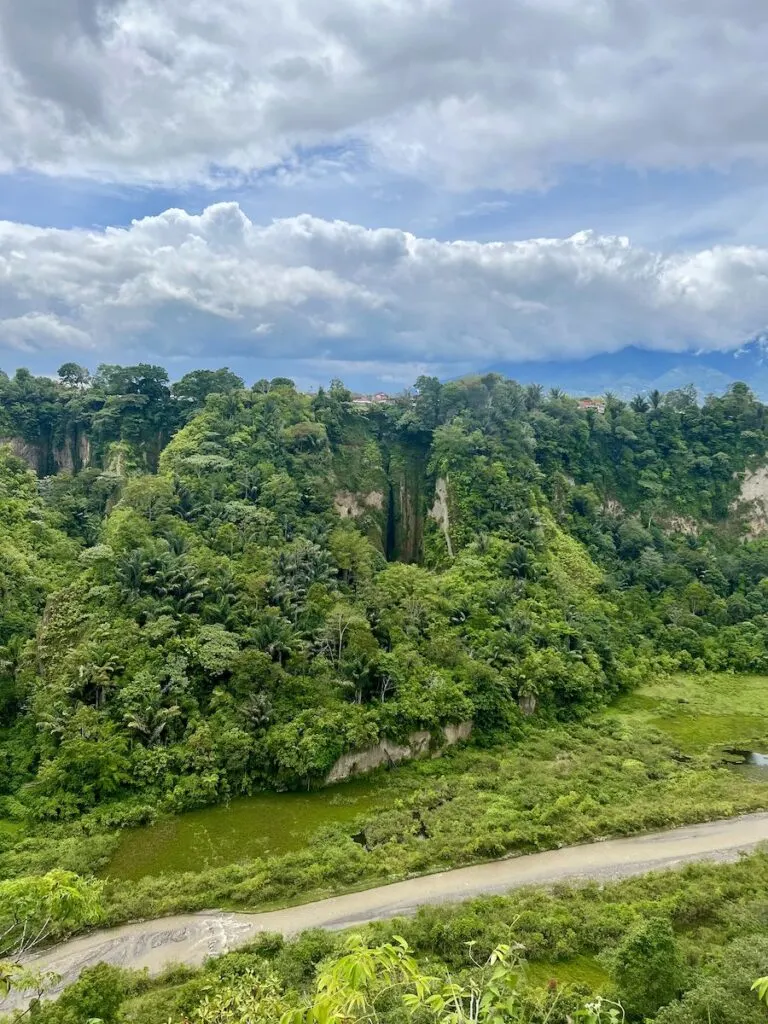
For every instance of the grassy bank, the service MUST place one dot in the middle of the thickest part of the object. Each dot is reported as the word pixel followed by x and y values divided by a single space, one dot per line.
pixel 653 761
pixel 702 713
pixel 649 763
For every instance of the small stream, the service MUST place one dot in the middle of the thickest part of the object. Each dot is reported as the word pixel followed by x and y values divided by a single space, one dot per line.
pixel 751 764
pixel 248 827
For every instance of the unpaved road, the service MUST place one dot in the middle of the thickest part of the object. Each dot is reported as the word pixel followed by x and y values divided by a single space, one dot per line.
pixel 190 938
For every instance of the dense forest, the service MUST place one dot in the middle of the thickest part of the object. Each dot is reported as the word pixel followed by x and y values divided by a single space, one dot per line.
pixel 209 589
pixel 225 588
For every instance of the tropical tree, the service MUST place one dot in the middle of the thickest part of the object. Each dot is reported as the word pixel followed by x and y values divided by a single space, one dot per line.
pixel 36 908
pixel 648 968
pixel 761 988
pixel 380 983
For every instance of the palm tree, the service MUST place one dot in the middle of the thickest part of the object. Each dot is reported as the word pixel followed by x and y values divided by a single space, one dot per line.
pixel 151 724
pixel 275 636
pixel 640 404
pixel 518 563
pixel 534 395
pixel 99 678
pixel 257 709
pixel 130 572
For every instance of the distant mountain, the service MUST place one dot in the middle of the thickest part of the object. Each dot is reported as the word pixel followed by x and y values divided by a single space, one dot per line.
pixel 635 370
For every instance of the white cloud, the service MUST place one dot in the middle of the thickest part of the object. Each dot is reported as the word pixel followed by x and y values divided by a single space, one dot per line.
pixel 468 92
pixel 34 332
pixel 307 289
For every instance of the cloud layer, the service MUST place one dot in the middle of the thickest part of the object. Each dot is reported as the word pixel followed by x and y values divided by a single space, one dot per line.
pixel 465 92
pixel 218 285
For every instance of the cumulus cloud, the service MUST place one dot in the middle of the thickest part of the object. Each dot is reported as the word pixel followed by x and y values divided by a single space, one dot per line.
pixel 468 92
pixel 309 289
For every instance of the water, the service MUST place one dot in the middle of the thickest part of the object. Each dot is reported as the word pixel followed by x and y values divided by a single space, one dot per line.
pixel 255 826
pixel 751 764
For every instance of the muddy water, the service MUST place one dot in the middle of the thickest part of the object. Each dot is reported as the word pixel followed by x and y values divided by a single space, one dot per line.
pixel 255 826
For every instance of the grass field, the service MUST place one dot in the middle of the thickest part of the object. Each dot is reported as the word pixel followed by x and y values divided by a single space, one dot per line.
pixel 702 713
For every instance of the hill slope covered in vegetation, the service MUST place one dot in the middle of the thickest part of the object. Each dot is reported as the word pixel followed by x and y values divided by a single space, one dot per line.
pixel 210 590
pixel 244 584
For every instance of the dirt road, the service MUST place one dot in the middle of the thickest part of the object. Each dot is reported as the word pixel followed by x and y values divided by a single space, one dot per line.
pixel 190 938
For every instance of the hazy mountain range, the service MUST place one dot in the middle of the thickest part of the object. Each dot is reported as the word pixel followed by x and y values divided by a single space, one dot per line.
pixel 635 370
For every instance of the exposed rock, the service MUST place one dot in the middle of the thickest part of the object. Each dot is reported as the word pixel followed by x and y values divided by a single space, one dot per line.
pixel 350 506
pixel 752 502
pixel 30 453
pixel 456 733
pixel 83 451
pixel 527 704
pixel 73 456
pixel 387 752
pixel 409 520
pixel 116 461
pixel 439 511
pixel 614 508
pixel 63 459
pixel 681 524
pixel 70 457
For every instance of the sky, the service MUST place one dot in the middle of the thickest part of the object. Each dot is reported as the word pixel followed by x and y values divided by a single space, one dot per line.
pixel 375 189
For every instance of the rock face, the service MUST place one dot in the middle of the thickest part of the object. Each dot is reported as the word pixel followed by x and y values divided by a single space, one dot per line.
pixel 527 703
pixel 46 459
pixel 457 733
pixel 387 752
pixel 753 501
pixel 382 486
pixel 406 469
pixel 681 524
pixel 440 513
pixel 351 506
pixel 29 453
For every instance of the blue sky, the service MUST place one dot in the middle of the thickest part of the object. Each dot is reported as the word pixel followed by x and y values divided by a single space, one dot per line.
pixel 379 188
pixel 662 210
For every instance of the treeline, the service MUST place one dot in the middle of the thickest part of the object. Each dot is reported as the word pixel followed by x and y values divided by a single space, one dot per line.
pixel 79 419
pixel 208 606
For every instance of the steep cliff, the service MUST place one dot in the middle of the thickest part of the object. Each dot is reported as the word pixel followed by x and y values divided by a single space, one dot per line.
pixel 48 456
pixel 360 482
pixel 383 486
pixel 752 503
pixel 407 508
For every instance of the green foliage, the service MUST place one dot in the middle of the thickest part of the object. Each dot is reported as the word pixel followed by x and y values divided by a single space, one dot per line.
pixel 648 969
pixel 221 597
pixel 95 998
pixel 505 954
pixel 212 589
pixel 385 983
pixel 761 987
pixel 224 631
pixel 33 910
pixel 721 989
pixel 554 787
